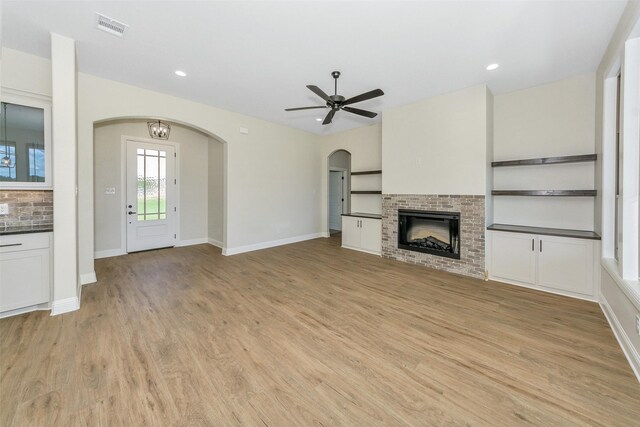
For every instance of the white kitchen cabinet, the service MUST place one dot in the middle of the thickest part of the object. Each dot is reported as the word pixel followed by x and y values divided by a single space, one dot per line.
pixel 514 257
pixel 362 234
pixel 566 264
pixel 25 272
pixel 556 264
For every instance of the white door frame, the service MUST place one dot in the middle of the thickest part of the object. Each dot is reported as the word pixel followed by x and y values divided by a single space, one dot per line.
pixel 123 184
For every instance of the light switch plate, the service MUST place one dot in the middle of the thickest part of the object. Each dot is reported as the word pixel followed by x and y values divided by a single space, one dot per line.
pixel 4 209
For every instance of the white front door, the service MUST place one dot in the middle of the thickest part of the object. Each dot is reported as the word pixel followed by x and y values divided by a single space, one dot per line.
pixel 151 194
pixel 336 199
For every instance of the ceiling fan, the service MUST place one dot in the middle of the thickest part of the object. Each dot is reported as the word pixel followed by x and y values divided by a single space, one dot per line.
pixel 338 102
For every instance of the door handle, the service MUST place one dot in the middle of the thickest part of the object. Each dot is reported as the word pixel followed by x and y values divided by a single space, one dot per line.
pixel 540 245
pixel 532 245
pixel 131 212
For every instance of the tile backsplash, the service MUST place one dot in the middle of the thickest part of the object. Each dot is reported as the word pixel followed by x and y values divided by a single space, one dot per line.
pixel 27 209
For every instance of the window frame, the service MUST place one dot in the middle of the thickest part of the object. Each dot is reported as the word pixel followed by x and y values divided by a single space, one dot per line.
pixel 17 97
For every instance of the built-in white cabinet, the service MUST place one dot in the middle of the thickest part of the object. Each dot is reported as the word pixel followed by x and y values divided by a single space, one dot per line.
pixel 557 264
pixel 362 234
pixel 25 272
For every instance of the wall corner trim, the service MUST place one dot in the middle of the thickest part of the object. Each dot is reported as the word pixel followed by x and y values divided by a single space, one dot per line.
pixel 214 242
pixel 625 343
pixel 65 306
pixel 270 244
pixel 86 278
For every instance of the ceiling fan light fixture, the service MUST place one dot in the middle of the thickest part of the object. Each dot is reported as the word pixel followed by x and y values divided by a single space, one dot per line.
pixel 338 102
pixel 159 129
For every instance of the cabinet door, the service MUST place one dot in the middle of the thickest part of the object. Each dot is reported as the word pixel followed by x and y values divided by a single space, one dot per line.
pixel 513 257
pixel 566 264
pixel 24 278
pixel 371 235
pixel 350 232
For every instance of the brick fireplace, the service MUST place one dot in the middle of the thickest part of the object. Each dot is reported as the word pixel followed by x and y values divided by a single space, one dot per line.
pixel 472 230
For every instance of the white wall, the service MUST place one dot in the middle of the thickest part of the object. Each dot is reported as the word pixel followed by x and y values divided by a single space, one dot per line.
pixel 620 298
pixel 364 144
pixel 192 182
pixel 555 119
pixel 66 281
pixel 273 173
pixel 216 192
pixel 436 146
pixel 25 72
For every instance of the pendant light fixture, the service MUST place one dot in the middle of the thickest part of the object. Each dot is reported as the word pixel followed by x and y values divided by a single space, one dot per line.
pixel 159 129
pixel 5 162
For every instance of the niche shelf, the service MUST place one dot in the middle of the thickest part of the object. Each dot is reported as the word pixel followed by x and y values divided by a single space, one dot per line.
pixel 556 193
pixel 376 172
pixel 366 192
pixel 547 160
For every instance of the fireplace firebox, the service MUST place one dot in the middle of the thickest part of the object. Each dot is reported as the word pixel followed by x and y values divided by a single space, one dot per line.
pixel 436 233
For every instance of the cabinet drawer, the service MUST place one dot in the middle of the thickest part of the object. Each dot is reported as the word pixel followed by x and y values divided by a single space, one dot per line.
pixel 24 242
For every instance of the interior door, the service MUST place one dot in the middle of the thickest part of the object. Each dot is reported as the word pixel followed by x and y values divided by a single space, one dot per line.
pixel 336 199
pixel 151 187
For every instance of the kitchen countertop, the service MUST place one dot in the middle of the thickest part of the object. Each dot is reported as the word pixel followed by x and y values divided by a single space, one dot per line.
pixel 8 231
pixel 363 215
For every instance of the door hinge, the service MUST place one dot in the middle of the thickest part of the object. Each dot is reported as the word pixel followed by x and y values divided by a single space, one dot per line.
pixel 175 237
pixel 174 155
pixel 175 209
pixel 175 181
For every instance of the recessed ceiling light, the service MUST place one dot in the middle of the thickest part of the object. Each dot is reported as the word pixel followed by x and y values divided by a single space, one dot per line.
pixel 180 73
pixel 492 67
pixel 319 119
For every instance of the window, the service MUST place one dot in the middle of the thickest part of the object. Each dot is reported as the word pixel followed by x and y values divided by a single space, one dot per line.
pixel 26 133
pixel 36 163
pixel 8 174
pixel 617 174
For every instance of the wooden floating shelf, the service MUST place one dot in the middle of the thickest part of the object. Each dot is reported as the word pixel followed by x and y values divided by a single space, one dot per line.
pixel 366 192
pixel 561 232
pixel 561 193
pixel 366 173
pixel 547 160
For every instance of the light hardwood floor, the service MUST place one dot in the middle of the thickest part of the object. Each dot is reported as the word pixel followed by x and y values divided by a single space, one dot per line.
pixel 310 334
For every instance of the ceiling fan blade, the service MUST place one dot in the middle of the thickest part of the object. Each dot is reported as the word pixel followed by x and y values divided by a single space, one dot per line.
pixel 360 112
pixel 364 96
pixel 329 117
pixel 319 92
pixel 304 108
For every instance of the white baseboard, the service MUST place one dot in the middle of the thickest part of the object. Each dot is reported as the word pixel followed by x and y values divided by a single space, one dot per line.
pixel 65 305
pixel 45 306
pixel 623 339
pixel 543 289
pixel 214 242
pixel 108 253
pixel 87 278
pixel 190 242
pixel 325 234
pixel 269 244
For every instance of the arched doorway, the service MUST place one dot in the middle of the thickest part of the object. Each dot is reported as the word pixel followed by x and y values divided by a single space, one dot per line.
pixel 338 189
pixel 199 182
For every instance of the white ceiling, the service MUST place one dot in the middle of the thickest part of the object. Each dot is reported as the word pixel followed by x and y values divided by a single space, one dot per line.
pixel 255 57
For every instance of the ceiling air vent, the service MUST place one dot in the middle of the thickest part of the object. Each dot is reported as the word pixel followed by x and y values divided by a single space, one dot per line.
pixel 109 25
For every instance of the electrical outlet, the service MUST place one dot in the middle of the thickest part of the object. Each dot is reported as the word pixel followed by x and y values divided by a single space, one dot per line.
pixel 4 209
